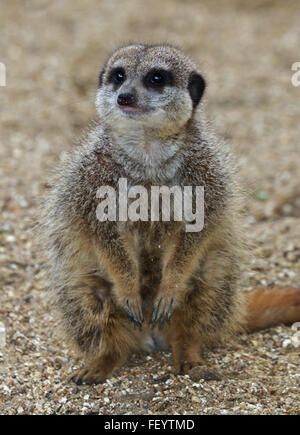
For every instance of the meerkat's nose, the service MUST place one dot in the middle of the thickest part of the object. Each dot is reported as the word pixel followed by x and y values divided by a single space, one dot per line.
pixel 126 99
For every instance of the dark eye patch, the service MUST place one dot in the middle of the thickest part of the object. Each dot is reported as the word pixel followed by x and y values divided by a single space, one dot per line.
pixel 158 78
pixel 117 76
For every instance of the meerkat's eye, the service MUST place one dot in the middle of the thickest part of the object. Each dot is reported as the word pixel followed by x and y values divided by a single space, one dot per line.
pixel 117 76
pixel 158 79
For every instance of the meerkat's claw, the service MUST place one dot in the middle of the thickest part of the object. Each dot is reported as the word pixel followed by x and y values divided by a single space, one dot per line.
pixel 134 313
pixel 163 311
pixel 135 323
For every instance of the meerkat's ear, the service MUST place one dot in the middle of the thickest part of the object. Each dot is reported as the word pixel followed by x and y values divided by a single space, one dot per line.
pixel 100 78
pixel 196 87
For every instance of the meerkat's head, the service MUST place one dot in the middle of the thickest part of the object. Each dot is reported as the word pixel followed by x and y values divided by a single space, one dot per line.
pixel 154 86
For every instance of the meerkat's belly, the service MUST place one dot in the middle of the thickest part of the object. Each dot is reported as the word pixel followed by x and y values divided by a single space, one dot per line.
pixel 150 243
pixel 151 277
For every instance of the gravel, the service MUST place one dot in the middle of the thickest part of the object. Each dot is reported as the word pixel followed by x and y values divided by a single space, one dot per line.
pixel 53 52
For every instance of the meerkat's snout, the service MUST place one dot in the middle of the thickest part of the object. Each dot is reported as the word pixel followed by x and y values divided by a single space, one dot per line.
pixel 126 99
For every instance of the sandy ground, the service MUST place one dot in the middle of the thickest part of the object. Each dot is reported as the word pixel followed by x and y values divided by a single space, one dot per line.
pixel 53 52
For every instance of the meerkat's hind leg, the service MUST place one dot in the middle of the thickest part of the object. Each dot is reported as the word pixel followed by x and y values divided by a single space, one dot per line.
pixel 98 328
pixel 98 370
pixel 118 341
pixel 186 348
pixel 209 315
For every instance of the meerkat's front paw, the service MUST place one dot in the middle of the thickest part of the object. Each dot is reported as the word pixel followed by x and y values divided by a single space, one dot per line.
pixel 164 308
pixel 133 309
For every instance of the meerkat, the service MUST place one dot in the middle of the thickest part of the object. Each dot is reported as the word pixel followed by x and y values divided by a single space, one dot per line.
pixel 123 286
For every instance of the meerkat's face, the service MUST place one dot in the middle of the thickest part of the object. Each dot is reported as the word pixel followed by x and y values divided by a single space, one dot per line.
pixel 154 86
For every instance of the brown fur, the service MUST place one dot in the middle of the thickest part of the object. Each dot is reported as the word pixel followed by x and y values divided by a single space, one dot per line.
pixel 270 307
pixel 109 279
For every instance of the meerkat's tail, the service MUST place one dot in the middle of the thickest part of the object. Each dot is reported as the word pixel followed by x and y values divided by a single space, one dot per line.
pixel 270 307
